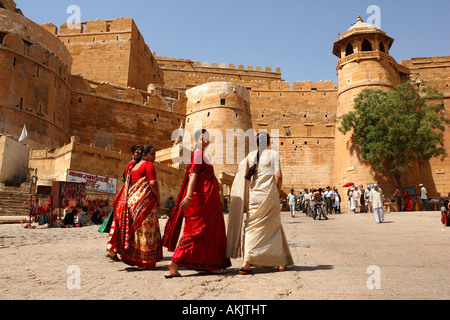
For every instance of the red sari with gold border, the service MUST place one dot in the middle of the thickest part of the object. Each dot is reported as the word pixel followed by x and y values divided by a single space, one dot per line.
pixel 203 244
pixel 135 232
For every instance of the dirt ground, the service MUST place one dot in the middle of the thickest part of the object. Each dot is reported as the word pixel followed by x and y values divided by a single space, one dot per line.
pixel 346 257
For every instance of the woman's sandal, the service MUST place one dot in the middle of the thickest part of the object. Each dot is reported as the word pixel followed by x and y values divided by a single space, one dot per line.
pixel 170 276
pixel 113 258
pixel 245 271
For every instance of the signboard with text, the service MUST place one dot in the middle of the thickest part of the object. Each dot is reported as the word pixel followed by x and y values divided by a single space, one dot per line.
pixel 93 182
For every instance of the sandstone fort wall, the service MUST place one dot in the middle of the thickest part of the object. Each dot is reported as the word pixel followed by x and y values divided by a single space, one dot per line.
pixel 102 83
pixel 34 82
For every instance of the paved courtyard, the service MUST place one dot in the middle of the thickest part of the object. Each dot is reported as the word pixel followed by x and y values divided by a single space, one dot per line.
pixel 347 257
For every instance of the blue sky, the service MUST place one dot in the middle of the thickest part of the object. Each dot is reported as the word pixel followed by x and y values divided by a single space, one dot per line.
pixel 295 35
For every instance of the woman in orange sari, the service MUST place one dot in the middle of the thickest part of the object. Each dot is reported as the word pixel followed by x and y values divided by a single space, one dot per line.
pixel 203 244
pixel 135 232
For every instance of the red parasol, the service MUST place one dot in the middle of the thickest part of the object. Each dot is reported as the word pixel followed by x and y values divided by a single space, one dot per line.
pixel 348 184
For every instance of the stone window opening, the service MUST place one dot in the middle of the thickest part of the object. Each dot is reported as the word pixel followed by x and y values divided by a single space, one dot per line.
pixel 209 113
pixel 222 102
pixel 2 36
pixel 349 49
pixel 382 48
pixel 366 45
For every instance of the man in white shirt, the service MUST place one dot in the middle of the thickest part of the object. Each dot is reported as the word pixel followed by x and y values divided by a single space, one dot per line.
pixel 307 201
pixel 81 217
pixel 424 198
pixel 291 197
pixel 328 195
pixel 377 200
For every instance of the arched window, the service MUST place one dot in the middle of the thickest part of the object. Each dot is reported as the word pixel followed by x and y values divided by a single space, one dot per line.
pixel 366 45
pixel 349 50
pixel 382 48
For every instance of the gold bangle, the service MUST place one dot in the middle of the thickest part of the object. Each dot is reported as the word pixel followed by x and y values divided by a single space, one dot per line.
pixel 188 197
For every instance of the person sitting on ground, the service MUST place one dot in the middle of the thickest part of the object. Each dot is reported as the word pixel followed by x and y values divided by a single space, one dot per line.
pixel 97 217
pixel 69 219
pixel 81 217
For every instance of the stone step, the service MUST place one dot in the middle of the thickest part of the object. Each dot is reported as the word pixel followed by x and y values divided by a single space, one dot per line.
pixel 14 204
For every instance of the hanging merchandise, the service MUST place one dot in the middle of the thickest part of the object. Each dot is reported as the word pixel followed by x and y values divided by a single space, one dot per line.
pixel 68 194
pixel 40 211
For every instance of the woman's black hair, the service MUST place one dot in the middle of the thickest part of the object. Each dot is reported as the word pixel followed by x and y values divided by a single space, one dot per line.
pixel 262 141
pixel 135 147
pixel 144 150
pixel 198 133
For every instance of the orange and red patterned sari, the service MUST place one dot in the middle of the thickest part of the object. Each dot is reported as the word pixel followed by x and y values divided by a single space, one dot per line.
pixel 135 232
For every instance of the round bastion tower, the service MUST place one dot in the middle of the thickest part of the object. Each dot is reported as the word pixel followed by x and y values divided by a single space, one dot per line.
pixel 35 72
pixel 223 108
pixel 364 63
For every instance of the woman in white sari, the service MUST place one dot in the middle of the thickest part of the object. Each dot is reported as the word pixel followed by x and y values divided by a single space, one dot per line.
pixel 254 226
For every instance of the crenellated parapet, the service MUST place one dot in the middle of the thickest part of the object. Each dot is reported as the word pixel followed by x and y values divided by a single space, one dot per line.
pixel 187 64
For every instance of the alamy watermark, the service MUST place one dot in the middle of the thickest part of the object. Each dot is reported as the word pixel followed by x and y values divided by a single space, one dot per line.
pixel 229 147
pixel 74 20
pixel 374 281
pixel 375 18
pixel 74 280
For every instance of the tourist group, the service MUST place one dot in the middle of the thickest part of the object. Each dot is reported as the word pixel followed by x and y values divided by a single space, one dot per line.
pixel 254 230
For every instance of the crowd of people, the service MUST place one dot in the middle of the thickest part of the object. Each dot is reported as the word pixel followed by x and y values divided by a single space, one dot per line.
pixel 254 232
pixel 310 199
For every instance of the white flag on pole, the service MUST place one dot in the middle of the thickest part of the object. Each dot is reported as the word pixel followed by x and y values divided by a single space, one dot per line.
pixel 24 133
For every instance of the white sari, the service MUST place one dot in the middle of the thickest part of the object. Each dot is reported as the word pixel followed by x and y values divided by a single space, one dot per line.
pixel 254 226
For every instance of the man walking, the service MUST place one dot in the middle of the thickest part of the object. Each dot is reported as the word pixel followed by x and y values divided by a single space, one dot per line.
pixel 328 200
pixel 424 198
pixel 398 198
pixel 291 198
pixel 377 199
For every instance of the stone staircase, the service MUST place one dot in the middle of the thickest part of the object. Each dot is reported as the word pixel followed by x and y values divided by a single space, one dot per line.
pixel 12 208
pixel 12 199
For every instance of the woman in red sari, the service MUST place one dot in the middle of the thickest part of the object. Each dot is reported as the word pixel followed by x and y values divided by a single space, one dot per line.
pixel 135 232
pixel 203 244
pixel 407 203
